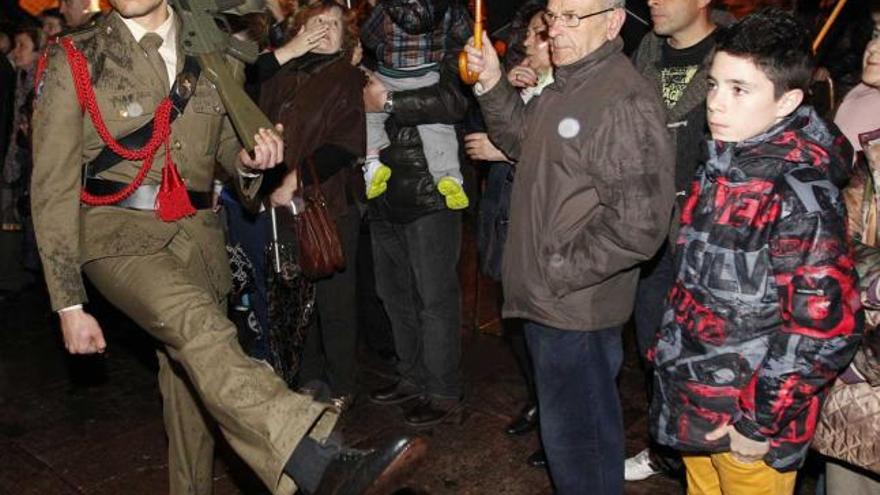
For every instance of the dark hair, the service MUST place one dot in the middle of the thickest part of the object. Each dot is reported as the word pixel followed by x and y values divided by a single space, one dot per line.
pixel 36 35
pixel 254 25
pixel 776 43
pixel 518 30
pixel 52 12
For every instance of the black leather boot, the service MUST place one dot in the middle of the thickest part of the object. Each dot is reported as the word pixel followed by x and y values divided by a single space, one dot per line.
pixel 429 412
pixel 394 394
pixel 373 471
pixel 538 459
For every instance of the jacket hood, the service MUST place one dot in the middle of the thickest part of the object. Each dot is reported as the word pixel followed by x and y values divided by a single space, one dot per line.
pixel 802 138
pixel 416 17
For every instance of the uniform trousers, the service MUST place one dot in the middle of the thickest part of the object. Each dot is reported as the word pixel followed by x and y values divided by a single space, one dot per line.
pixel 204 375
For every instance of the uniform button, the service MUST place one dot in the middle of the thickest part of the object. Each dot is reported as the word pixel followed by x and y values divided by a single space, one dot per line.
pixel 123 113
pixel 177 144
pixel 217 108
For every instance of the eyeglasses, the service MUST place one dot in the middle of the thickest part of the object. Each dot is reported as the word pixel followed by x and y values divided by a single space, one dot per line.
pixel 570 19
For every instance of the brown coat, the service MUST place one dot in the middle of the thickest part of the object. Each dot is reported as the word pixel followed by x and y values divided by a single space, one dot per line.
pixel 319 99
pixel 593 192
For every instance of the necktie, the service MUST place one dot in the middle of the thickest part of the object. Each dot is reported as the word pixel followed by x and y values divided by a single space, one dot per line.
pixel 151 43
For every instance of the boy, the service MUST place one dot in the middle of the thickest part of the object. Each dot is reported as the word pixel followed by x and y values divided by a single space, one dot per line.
pixel 410 38
pixel 764 311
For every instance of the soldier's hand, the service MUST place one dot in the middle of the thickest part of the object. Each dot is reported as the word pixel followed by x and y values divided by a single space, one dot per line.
pixel 484 62
pixel 82 333
pixel 268 152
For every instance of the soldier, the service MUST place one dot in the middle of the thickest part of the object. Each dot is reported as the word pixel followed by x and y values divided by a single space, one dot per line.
pixel 157 252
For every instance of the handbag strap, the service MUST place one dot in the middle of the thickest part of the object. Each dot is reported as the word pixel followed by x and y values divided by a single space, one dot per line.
pixel 316 181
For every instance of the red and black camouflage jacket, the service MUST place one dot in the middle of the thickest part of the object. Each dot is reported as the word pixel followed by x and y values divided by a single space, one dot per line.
pixel 764 311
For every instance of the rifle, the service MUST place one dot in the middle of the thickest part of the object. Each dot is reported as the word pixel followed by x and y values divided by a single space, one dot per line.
pixel 204 40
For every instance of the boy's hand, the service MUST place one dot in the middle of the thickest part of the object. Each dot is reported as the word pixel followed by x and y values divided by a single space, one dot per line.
pixel 742 448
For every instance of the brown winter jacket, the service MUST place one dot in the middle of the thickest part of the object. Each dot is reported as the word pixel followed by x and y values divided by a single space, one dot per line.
pixel 593 192
pixel 319 99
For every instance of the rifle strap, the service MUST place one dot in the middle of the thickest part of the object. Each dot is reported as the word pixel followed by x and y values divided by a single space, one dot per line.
pixel 181 91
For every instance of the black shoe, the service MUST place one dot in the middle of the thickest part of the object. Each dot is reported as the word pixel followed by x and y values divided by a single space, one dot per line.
pixel 429 412
pixel 372 471
pixel 525 422
pixel 537 459
pixel 394 394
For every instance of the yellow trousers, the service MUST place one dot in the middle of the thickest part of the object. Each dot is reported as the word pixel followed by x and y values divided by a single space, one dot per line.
pixel 721 474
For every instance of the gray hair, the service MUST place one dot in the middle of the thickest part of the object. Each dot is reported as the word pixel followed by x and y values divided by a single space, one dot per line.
pixel 615 4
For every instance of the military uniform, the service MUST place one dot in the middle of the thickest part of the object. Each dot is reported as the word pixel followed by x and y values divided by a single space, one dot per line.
pixel 170 277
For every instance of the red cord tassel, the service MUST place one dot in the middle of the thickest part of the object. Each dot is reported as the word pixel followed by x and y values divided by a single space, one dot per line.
pixel 172 202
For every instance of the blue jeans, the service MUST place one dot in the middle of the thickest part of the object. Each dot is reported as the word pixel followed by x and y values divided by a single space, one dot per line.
pixel 581 419
pixel 417 280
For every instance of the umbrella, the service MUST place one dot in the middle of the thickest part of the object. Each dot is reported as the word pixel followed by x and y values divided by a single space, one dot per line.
pixel 34 7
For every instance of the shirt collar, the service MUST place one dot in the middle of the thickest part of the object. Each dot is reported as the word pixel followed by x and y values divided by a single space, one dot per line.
pixel 164 31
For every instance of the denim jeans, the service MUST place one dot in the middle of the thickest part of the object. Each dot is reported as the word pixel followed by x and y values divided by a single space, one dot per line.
pixel 654 283
pixel 581 418
pixel 417 280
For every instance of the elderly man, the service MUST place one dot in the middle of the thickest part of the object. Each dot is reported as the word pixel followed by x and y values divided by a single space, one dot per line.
pixel 592 199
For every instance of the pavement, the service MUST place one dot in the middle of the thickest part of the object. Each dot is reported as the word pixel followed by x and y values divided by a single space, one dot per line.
pixel 92 425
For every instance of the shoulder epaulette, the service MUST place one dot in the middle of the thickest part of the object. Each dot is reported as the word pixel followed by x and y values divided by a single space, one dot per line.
pixel 84 31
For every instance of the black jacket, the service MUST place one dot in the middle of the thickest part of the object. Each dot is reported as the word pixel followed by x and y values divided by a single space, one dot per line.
pixel 411 191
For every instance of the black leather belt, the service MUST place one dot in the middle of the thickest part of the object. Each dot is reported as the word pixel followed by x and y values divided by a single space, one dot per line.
pixel 144 197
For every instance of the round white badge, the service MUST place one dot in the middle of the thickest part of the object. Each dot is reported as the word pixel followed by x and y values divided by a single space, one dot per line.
pixel 569 127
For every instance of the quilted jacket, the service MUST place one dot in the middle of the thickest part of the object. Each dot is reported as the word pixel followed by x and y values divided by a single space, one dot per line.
pixel 764 311
pixel 849 426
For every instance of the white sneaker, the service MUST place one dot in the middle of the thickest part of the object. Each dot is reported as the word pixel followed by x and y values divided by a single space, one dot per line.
pixel 638 467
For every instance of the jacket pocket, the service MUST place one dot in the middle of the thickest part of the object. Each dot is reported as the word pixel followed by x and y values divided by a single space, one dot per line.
pixel 207 116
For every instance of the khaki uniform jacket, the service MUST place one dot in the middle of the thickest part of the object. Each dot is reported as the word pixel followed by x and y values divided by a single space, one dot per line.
pixel 127 89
